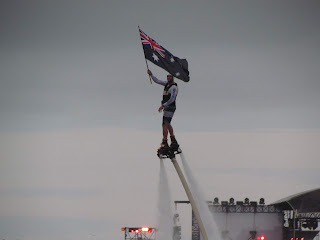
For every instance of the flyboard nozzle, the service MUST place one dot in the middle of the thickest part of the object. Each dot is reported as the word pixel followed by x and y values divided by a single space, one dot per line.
pixel 191 199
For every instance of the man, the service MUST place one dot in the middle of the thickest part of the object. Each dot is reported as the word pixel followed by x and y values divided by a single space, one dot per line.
pixel 168 105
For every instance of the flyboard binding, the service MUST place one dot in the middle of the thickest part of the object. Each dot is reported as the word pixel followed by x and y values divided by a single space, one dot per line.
pixel 168 152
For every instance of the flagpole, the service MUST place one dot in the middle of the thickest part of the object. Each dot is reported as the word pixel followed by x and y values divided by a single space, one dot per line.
pixel 145 57
pixel 148 69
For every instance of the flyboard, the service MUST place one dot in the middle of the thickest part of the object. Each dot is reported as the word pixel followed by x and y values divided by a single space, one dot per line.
pixel 170 153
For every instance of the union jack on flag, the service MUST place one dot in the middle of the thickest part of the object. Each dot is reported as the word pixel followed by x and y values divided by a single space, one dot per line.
pixel 161 57
pixel 145 39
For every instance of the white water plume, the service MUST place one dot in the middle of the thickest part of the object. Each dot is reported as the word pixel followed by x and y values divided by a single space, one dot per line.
pixel 206 216
pixel 165 212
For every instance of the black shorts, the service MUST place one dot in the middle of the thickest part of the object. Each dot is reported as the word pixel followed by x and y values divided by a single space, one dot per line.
pixel 166 121
pixel 168 115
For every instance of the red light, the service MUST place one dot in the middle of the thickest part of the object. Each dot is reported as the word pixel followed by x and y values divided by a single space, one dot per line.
pixel 145 229
pixel 262 237
pixel 137 230
pixel 302 238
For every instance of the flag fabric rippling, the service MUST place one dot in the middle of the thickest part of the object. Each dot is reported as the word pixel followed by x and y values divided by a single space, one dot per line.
pixel 161 57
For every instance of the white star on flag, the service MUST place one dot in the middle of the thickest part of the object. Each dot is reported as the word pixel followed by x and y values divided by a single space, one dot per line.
pixel 155 57
pixel 161 57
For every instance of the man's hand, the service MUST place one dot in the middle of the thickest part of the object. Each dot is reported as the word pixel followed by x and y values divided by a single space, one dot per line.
pixel 149 72
pixel 160 108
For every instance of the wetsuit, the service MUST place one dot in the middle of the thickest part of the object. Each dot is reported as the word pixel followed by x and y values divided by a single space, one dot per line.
pixel 168 102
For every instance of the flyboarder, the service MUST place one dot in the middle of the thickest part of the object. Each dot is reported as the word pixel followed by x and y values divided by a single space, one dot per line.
pixel 168 105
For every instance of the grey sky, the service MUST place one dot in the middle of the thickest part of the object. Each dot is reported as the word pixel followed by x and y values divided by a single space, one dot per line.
pixel 77 109
pixel 252 64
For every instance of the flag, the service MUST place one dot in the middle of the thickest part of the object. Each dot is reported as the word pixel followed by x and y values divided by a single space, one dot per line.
pixel 161 57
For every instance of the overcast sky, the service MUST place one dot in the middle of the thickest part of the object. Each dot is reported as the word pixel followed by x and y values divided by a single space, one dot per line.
pixel 78 116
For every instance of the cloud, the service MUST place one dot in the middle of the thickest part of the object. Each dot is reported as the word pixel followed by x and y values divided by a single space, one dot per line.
pixel 108 174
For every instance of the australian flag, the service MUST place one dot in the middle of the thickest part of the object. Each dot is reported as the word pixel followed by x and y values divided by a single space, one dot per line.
pixel 161 57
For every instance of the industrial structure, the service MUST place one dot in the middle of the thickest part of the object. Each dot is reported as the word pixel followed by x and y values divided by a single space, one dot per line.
pixel 296 217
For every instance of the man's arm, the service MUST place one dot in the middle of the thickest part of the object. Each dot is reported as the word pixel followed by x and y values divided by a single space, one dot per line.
pixel 156 80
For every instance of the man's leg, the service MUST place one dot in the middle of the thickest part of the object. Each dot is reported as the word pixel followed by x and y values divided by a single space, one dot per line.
pixel 170 130
pixel 165 123
pixel 166 126
pixel 165 132
pixel 174 144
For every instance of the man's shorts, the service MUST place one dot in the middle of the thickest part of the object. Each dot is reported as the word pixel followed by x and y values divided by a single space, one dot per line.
pixel 167 115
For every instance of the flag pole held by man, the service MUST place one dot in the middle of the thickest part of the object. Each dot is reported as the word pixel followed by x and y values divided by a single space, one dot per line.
pixel 177 68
